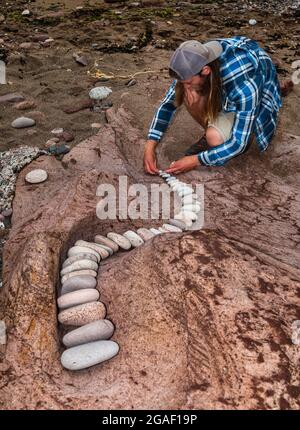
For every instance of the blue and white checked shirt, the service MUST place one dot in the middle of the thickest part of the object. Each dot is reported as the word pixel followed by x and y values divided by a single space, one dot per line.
pixel 250 89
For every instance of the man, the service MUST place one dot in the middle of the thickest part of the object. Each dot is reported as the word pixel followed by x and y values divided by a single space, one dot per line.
pixel 230 87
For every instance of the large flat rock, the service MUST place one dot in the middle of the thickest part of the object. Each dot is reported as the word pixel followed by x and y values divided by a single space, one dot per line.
pixel 203 319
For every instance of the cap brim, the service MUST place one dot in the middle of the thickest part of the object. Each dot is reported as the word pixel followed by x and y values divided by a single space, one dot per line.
pixel 215 49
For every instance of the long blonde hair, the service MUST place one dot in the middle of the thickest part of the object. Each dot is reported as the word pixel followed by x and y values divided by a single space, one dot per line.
pixel 214 89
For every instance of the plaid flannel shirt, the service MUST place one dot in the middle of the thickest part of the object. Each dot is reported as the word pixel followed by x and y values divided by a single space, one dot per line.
pixel 250 89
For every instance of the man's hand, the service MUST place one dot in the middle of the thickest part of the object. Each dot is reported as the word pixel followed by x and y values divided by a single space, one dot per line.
pixel 150 157
pixel 184 164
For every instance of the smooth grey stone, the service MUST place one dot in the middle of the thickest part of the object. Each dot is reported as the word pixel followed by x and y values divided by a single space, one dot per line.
pixel 192 208
pixel 23 122
pixel 145 234
pixel 190 199
pixel 133 238
pixel 107 248
pixel 172 228
pixel 188 222
pixel 103 240
pixel 78 298
pixel 95 246
pixel 78 273
pixel 155 231
pixel 11 98
pixel 78 257
pixel 97 330
pixel 79 265
pixel 185 191
pixel 177 223
pixel 80 249
pixel 36 176
pixel 87 355
pixel 189 214
pixel 120 240
pixel 77 283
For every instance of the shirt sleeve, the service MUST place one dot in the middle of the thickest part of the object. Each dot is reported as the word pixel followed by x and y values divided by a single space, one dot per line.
pixel 247 100
pixel 163 114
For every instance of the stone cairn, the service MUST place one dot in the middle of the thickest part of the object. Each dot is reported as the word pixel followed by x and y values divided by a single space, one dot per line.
pixel 79 303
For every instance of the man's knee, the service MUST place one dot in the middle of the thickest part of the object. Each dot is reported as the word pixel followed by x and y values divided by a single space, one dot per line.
pixel 213 137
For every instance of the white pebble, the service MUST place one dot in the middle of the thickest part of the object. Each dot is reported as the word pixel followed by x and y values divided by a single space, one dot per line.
pixel 36 176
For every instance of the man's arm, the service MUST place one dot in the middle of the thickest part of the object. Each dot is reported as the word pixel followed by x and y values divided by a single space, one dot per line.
pixel 247 99
pixel 163 115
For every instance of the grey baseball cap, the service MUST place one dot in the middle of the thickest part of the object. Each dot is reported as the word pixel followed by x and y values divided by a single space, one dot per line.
pixel 191 56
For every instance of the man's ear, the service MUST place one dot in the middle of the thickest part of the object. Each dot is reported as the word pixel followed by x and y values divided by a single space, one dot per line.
pixel 206 70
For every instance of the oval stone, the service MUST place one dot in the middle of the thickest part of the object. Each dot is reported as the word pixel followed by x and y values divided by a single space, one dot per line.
pixel 133 238
pixel 80 249
pixel 192 208
pixel 36 176
pixel 87 355
pixel 110 251
pixel 78 298
pixel 155 231
pixel 78 257
pixel 79 265
pixel 97 330
pixel 189 214
pixel 78 273
pixel 187 221
pixel 77 283
pixel 185 191
pixel 102 240
pixel 82 314
pixel 120 240
pixel 95 246
pixel 145 233
pixel 23 122
pixel 178 223
pixel 172 228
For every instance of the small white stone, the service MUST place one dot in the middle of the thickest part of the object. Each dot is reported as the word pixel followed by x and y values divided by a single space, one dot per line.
pixel 26 12
pixel 3 338
pixel 87 355
pixel 97 330
pixel 95 246
pixel 181 217
pixel 80 249
pixel 177 223
pixel 36 176
pixel 155 231
pixel 77 257
pixel 79 273
pixel 23 122
pixel 252 21
pixel 195 207
pixel 145 233
pixel 133 238
pixel 103 240
pixel 57 131
pixel 99 93
pixel 120 240
pixel 79 265
pixel 96 125
pixel 172 228
pixel 185 192
pixel 189 214
pixel 78 298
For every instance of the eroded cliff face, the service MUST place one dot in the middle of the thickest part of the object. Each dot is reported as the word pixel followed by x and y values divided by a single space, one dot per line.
pixel 203 319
